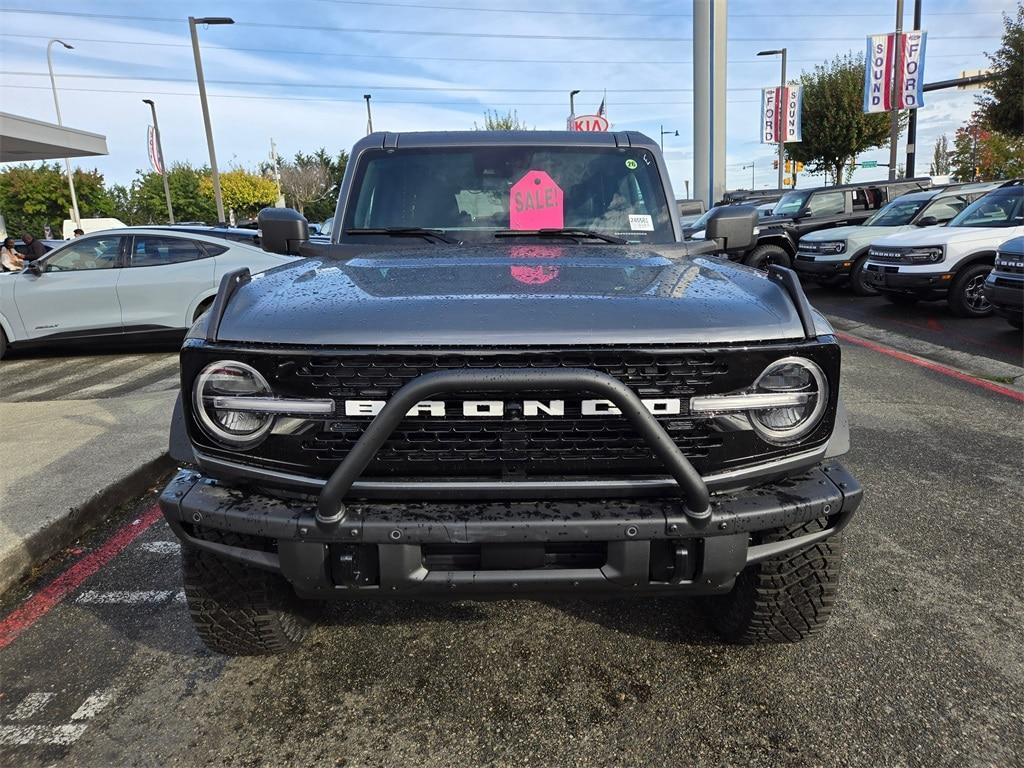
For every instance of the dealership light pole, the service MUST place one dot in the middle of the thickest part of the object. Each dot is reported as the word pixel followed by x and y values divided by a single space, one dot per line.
pixel 369 117
pixel 665 133
pixel 160 159
pixel 782 91
pixel 572 110
pixel 56 104
pixel 214 173
pixel 897 66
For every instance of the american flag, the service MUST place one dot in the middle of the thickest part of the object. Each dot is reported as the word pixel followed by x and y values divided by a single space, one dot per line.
pixel 601 110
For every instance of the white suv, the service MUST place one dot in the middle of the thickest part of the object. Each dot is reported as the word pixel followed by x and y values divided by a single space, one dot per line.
pixel 949 262
pixel 835 256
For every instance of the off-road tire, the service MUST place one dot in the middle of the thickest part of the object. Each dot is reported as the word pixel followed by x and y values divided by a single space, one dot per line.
pixel 857 284
pixel 970 279
pixel 238 610
pixel 902 299
pixel 784 599
pixel 764 255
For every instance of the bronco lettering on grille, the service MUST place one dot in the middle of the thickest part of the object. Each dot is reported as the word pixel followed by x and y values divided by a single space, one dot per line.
pixel 661 406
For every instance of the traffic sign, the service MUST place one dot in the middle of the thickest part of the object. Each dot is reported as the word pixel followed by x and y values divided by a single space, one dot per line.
pixel 590 123
pixel 869 164
pixel 535 202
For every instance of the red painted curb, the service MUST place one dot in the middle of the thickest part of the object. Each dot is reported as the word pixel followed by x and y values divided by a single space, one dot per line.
pixel 39 604
pixel 953 373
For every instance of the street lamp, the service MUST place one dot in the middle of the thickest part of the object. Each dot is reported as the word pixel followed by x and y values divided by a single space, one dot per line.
pixel 750 165
pixel 665 133
pixel 782 82
pixel 572 110
pixel 56 104
pixel 160 159
pixel 369 117
pixel 214 174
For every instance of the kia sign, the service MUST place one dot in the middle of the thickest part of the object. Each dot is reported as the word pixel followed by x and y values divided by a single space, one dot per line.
pixel 590 123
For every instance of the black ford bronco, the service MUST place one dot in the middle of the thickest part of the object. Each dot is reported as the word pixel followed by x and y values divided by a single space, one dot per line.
pixel 505 375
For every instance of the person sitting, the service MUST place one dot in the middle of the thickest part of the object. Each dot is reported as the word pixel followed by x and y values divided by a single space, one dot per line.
pixel 10 259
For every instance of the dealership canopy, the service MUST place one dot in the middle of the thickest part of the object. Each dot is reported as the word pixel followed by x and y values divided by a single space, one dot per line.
pixel 23 139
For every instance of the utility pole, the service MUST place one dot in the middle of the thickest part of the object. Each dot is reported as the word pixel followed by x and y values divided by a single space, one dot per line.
pixel 160 159
pixel 897 66
pixel 912 125
pixel 369 117
pixel 56 104
pixel 214 173
pixel 275 161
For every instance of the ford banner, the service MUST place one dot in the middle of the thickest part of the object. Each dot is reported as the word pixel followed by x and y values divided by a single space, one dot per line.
pixel 878 72
pixel 780 114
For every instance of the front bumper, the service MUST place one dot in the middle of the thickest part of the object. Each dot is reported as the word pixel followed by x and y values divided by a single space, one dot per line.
pixel 508 548
pixel 1005 293
pixel 819 269
pixel 886 277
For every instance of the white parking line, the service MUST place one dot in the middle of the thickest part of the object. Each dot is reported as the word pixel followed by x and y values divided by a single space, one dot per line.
pixel 128 596
pixel 161 547
pixel 31 705
pixel 63 734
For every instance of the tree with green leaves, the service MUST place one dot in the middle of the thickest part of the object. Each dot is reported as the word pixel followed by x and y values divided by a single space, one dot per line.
pixel 981 154
pixel 495 122
pixel 146 204
pixel 1002 107
pixel 940 157
pixel 243 192
pixel 34 196
pixel 835 128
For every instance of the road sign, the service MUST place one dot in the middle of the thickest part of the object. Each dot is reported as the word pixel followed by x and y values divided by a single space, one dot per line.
pixel 535 202
pixel 869 164
pixel 590 123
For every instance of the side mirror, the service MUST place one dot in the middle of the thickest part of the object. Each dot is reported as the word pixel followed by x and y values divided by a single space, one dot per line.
pixel 282 230
pixel 34 267
pixel 927 221
pixel 732 227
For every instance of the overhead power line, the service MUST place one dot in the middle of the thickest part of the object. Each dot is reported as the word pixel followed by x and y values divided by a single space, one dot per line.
pixel 359 86
pixel 449 33
pixel 392 57
pixel 328 99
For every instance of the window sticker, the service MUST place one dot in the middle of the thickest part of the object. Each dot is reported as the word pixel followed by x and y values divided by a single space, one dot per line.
pixel 536 202
pixel 640 222
pixel 631 164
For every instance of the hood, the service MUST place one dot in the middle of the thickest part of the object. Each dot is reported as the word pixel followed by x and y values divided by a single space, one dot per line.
pixel 842 233
pixel 511 294
pixel 946 236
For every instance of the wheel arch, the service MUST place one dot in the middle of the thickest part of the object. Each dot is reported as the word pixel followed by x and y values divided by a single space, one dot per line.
pixel 981 257
pixel 782 240
pixel 205 296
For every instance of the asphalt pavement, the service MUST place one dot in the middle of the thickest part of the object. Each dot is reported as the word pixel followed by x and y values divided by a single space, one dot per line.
pixel 928 321
pixel 922 663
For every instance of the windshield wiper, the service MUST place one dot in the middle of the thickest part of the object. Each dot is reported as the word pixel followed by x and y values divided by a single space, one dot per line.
pixel 426 234
pixel 573 232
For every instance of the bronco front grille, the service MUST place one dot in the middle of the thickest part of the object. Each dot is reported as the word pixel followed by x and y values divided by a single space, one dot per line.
pixel 515 446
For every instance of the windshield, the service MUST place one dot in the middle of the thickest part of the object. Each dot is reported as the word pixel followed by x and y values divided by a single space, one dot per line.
pixel 1003 208
pixel 470 193
pixel 896 214
pixel 790 203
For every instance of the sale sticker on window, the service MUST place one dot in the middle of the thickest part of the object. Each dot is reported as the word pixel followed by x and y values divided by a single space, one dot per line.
pixel 640 223
pixel 536 202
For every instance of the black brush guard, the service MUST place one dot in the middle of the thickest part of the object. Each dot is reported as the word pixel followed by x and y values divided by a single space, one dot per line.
pixel 331 510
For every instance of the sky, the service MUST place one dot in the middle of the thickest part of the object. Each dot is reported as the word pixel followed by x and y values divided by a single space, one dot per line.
pixel 295 71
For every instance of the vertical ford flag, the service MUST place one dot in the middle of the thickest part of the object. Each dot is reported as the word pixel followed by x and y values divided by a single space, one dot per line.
pixel 780 114
pixel 154 155
pixel 878 72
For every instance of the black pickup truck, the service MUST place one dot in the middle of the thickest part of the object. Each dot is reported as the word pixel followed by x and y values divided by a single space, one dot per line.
pixel 505 374
pixel 802 211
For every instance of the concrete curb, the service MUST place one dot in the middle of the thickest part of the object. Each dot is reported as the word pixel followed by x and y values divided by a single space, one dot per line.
pixel 62 532
pixel 976 365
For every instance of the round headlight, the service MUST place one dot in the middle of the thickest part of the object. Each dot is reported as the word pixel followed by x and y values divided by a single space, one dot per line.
pixel 227 379
pixel 789 423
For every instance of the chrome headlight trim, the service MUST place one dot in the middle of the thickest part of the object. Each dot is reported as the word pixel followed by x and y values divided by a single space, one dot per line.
pixel 209 424
pixel 810 421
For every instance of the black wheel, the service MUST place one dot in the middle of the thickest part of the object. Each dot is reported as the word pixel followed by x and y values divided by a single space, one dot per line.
pixel 785 599
pixel 1017 321
pixel 238 610
pixel 857 283
pixel 967 294
pixel 902 299
pixel 764 255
